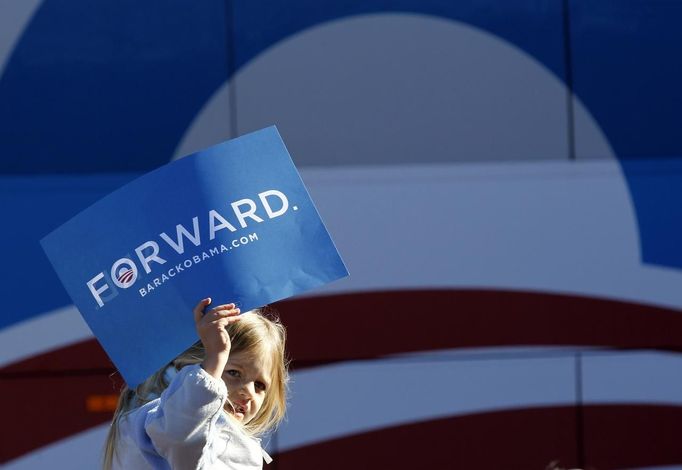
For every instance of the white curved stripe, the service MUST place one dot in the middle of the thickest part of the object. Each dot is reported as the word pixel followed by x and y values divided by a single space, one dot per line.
pixel 344 399
pixel 339 400
pixel 633 377
pixel 608 376
pixel 14 16
pixel 557 227
pixel 498 352
pixel 81 451
pixel 38 335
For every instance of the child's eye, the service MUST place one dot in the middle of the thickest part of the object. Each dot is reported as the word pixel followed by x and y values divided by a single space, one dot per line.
pixel 260 386
pixel 232 373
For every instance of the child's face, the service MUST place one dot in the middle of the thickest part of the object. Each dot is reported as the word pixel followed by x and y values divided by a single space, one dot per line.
pixel 247 380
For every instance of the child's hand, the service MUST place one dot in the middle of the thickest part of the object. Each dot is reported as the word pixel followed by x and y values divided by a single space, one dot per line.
pixel 211 329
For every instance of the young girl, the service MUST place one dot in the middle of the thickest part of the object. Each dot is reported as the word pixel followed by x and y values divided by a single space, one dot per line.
pixel 207 407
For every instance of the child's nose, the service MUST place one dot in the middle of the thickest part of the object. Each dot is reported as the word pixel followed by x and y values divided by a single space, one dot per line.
pixel 248 389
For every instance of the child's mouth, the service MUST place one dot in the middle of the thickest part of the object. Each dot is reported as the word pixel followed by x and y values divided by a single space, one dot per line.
pixel 236 410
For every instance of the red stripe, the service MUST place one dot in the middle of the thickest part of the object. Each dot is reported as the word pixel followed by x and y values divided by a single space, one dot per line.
pixel 126 276
pixel 87 355
pixel 632 436
pixel 39 411
pixel 616 437
pixel 521 439
pixel 374 324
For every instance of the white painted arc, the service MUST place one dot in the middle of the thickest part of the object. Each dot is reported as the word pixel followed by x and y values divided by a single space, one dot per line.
pixel 456 93
pixel 373 395
pixel 554 227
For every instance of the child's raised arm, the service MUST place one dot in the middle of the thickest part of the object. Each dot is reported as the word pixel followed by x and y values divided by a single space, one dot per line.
pixel 211 329
pixel 179 426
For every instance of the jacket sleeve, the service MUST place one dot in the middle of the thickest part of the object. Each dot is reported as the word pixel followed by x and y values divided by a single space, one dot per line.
pixel 182 428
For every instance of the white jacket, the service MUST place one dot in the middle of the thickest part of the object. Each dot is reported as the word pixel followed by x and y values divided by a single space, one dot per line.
pixel 186 429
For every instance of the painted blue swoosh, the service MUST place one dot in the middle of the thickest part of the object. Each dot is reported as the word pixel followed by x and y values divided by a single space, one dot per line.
pixel 108 86
pixel 627 69
pixel 112 86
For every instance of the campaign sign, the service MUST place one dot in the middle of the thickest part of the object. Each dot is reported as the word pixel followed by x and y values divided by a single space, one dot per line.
pixel 232 222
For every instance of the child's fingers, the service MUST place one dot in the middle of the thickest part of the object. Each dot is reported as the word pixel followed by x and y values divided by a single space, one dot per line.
pixel 224 321
pixel 199 309
pixel 223 307
pixel 224 310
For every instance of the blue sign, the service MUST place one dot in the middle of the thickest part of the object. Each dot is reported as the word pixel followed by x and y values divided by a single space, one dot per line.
pixel 233 222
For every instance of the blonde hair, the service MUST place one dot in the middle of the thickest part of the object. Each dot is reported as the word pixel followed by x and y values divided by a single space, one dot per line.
pixel 260 334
